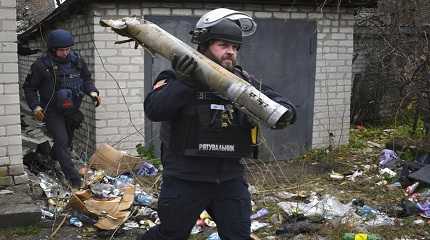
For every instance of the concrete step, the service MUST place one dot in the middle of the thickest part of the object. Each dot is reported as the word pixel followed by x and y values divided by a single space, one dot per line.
pixel 17 208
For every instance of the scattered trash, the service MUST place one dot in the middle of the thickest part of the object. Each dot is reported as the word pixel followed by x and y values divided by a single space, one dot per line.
pixel 411 189
pixel 52 188
pixel 356 174
pixel 5 192
pixel 374 144
pixel 419 222
pixel 328 207
pixel 143 199
pixel 256 225
pixel 75 222
pixel 260 213
pixel 360 236
pixel 214 236
pixel 387 158
pixel 146 169
pixel 196 229
pixel 130 225
pixel 336 176
pixel 366 212
pixel 388 173
pixel 46 214
pixel 112 161
pixel 424 208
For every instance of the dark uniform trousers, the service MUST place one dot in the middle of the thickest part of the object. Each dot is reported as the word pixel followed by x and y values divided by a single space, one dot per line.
pixel 182 201
pixel 62 133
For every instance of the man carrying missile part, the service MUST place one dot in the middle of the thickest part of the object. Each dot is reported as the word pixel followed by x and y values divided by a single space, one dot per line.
pixel 204 136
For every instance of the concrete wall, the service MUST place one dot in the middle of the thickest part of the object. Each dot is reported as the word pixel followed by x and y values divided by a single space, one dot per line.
pixel 11 167
pixel 334 55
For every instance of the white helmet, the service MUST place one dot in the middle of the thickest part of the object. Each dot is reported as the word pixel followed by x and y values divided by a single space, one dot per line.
pixel 212 18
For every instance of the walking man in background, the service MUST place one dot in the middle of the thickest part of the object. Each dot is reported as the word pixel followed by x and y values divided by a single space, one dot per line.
pixel 54 89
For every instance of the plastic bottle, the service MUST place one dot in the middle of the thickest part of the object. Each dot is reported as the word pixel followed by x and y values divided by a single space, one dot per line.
pixel 360 236
pixel 75 222
pixel 411 188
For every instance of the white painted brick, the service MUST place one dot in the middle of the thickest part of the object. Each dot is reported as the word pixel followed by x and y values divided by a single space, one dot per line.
pixel 8 57
pixel 182 12
pixel 136 84
pixel 2 132
pixel 3 141
pixel 263 14
pixel 136 12
pixel 9 120
pixel 120 75
pixel 131 52
pixel 111 12
pixel 199 12
pixel 281 15
pixel 347 43
pixel 118 122
pixel 7 13
pixel 129 68
pixel 3 152
pixel 105 115
pixel 107 131
pixel 339 36
pixel 9 47
pixel 118 60
pixel 4 161
pixel 8 3
pixel 331 56
pixel 160 11
pixel 8 25
pixel 298 15
pixel 11 88
pixel 145 11
pixel 116 108
pixel 13 140
pixel 10 67
pixel 105 37
pixel 124 12
pixel 139 76
pixel 336 63
pixel 21 179
pixel 9 99
pixel 315 15
pixel 13 130
pixel 14 150
pixel 137 60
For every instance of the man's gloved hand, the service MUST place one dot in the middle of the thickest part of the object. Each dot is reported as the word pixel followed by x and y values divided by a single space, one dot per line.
pixel 39 114
pixel 184 67
pixel 96 98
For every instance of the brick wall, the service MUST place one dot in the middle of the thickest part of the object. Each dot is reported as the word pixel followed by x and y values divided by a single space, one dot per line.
pixel 11 166
pixel 334 56
pixel 111 123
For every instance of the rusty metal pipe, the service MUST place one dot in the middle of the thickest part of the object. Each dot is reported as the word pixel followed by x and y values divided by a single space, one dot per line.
pixel 247 97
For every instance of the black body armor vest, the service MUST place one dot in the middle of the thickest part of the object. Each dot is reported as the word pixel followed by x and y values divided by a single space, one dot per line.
pixel 209 127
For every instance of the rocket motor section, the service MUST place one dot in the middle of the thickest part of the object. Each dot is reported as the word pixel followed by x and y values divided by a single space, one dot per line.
pixel 248 99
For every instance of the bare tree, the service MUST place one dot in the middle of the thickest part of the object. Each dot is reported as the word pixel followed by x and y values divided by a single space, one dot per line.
pixel 395 40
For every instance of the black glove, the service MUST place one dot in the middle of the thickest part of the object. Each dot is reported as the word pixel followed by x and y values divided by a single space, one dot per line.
pixel 184 67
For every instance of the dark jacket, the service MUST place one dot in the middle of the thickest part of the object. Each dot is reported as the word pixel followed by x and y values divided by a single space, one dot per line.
pixel 39 84
pixel 165 104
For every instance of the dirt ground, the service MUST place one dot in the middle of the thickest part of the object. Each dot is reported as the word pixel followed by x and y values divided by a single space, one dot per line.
pixel 303 176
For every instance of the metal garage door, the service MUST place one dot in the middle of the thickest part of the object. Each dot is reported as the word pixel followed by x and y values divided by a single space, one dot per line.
pixel 281 54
